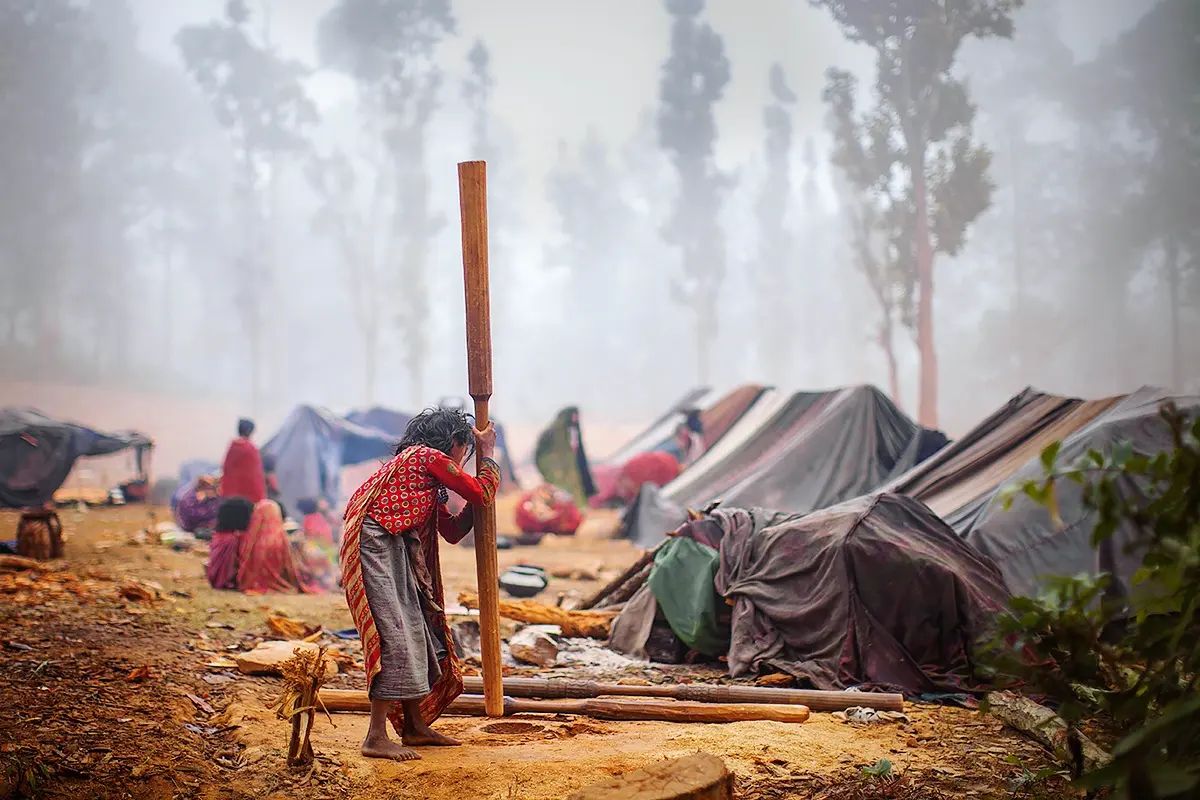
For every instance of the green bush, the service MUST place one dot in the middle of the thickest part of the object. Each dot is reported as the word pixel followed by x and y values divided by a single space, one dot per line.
pixel 1133 661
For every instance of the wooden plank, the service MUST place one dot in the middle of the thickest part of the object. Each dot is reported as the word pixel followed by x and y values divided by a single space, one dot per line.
pixel 472 193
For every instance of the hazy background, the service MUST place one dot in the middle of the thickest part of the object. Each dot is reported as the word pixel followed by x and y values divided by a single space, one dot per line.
pixel 129 295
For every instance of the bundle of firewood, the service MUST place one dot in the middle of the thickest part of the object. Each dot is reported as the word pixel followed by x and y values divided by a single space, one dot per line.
pixel 303 676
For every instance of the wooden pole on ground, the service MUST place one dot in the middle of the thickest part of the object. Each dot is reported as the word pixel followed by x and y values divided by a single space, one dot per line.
pixel 472 195
pixel 619 710
pixel 557 688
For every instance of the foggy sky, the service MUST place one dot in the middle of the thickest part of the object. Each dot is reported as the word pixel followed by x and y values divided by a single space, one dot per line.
pixel 562 69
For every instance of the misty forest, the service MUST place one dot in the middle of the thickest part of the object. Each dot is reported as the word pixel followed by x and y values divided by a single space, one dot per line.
pixel 744 400
pixel 256 201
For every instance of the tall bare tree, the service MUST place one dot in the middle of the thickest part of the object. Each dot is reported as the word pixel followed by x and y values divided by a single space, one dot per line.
pixel 1146 83
pixel 924 115
pixel 774 264
pixel 387 46
pixel 258 97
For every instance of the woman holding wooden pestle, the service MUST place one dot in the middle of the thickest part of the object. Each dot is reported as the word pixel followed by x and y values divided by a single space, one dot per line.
pixel 392 575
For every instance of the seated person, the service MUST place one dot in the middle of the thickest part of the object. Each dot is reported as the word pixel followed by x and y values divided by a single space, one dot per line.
pixel 233 519
pixel 196 511
pixel 266 562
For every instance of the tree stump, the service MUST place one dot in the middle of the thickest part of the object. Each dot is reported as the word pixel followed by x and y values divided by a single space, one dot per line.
pixel 39 535
pixel 697 777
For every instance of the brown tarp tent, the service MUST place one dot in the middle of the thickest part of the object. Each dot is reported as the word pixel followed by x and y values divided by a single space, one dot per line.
pixel 958 482
pixel 1029 546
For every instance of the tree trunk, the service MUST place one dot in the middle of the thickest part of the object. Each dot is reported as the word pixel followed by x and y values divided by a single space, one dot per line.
pixel 928 404
pixel 887 344
pixel 1171 257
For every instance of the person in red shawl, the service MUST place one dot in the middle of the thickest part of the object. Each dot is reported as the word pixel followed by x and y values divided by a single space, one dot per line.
pixel 392 575
pixel 242 474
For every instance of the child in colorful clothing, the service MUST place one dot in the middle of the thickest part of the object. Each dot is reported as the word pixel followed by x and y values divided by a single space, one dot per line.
pixel 392 576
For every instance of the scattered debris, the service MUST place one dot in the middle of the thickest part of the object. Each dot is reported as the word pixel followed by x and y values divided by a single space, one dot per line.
pixel 512 728
pixel 140 591
pixel 466 638
pixel 535 645
pixel 287 628
pixel 221 662
pixel 776 680
pixel 139 674
pixel 201 703
pixel 860 715
pixel 577 652
pixel 38 587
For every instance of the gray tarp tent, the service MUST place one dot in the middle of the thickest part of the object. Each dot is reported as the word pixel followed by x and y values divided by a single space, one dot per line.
pixel 394 422
pixel 313 445
pixel 37 453
pixel 809 451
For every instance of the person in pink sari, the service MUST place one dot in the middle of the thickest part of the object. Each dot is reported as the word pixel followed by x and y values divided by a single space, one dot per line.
pixel 233 520
pixel 266 562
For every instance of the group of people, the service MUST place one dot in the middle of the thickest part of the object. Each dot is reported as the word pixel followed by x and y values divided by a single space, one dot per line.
pixel 241 515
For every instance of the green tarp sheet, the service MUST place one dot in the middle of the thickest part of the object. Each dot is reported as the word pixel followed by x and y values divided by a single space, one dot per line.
pixel 682 583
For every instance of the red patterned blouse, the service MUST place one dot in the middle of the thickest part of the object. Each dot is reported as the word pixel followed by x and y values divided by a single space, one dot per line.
pixel 406 502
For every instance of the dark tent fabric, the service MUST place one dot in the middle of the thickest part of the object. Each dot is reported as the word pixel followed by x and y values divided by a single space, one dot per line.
pixel 875 592
pixel 816 449
pixel 1029 546
pixel 37 453
pixel 313 445
pixel 395 422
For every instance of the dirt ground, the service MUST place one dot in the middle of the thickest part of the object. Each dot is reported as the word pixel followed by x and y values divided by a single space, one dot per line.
pixel 109 697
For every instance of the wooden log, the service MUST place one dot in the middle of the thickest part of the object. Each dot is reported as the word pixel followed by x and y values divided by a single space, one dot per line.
pixel 1044 726
pixel 701 776
pixel 816 700
pixel 344 700
pixel 20 563
pixel 559 688
pixel 592 624
pixel 472 194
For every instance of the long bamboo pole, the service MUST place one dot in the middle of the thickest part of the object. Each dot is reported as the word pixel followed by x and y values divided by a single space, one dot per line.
pixel 557 688
pixel 621 710
pixel 472 194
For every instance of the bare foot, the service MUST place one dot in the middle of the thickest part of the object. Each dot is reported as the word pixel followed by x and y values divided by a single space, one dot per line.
pixel 429 738
pixel 386 748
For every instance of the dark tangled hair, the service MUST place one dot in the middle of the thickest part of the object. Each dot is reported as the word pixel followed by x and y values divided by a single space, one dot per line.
pixel 441 429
